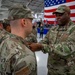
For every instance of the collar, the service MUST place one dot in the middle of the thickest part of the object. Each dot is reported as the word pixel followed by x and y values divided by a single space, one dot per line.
pixel 65 27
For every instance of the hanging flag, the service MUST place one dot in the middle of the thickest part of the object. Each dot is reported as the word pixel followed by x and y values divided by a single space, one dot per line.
pixel 51 5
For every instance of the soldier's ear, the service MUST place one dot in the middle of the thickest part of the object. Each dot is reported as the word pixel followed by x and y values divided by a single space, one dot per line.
pixel 23 22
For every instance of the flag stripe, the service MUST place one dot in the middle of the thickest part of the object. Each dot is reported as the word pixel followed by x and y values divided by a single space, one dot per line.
pixel 72 7
pixel 69 0
pixel 51 10
pixel 56 6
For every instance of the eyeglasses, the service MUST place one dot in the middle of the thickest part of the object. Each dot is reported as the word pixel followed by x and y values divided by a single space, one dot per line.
pixel 59 14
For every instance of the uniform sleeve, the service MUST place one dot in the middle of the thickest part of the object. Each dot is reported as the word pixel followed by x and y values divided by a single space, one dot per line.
pixel 19 60
pixel 45 42
pixel 64 48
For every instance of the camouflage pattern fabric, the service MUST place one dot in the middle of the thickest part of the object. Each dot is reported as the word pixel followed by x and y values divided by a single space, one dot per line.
pixel 60 44
pixel 14 56
pixel 34 31
pixel 3 33
pixel 31 38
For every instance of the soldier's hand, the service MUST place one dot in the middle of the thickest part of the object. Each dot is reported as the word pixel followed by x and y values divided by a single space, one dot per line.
pixel 28 43
pixel 35 47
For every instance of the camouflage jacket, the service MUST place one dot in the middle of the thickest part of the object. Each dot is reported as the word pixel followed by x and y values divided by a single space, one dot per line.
pixel 3 33
pixel 60 44
pixel 15 57
pixel 34 31
pixel 31 38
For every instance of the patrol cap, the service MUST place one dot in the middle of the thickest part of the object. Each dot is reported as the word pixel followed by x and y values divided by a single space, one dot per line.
pixel 62 9
pixel 18 11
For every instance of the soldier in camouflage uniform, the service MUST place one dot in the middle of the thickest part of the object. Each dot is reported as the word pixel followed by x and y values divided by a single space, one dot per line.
pixel 3 32
pixel 60 44
pixel 15 57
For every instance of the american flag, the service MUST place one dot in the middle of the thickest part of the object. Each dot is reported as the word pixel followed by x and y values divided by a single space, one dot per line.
pixel 52 5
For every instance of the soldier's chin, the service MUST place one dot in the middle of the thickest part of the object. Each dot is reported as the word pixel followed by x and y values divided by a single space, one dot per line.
pixel 59 23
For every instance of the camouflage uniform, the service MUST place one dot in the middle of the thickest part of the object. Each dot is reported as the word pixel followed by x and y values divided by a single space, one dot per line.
pixel 61 60
pixel 14 55
pixel 60 45
pixel 31 38
pixel 3 33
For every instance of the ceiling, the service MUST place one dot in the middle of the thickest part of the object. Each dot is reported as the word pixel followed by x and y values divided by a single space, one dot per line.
pixel 37 6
